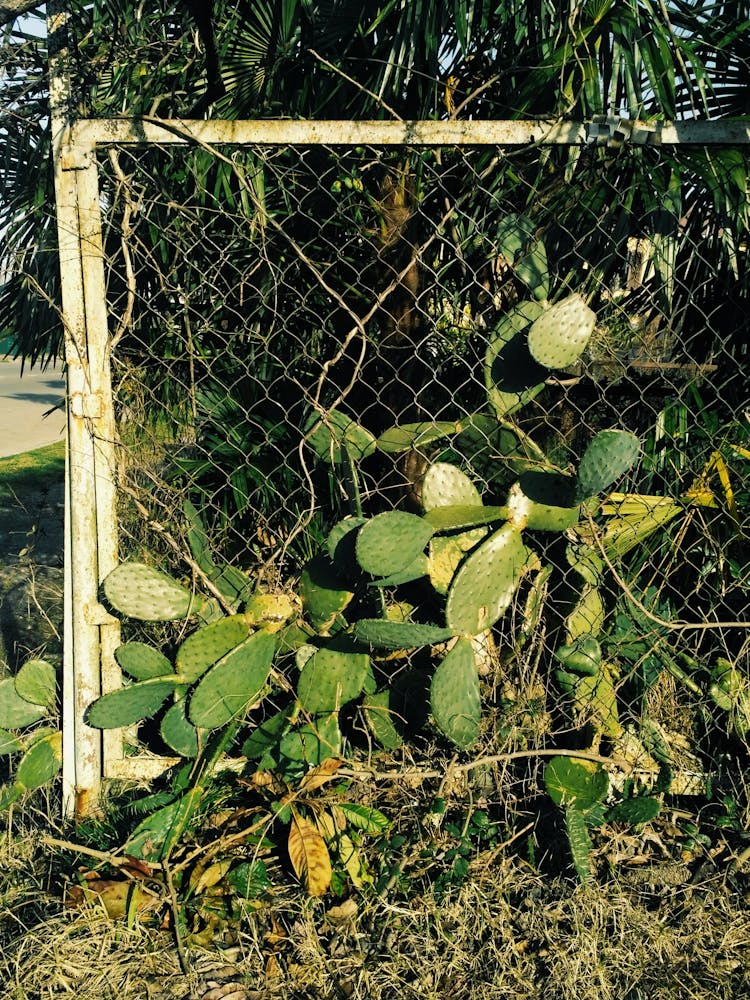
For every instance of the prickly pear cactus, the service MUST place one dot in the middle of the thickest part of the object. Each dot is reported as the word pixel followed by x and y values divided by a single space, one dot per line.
pixel 233 684
pixel 609 455
pixel 143 592
pixel 15 711
pixel 513 377
pixel 543 501
pixel 485 583
pixel 331 678
pixel 207 645
pixel 178 732
pixel 558 337
pixel 130 704
pixel 390 542
pixel 384 724
pixel 454 695
pixel 141 661
pixel 40 763
pixel 384 634
pixel 324 592
pixel 446 485
pixel 36 683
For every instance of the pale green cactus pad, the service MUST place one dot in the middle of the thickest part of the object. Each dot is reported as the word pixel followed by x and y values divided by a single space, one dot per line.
pixel 527 255
pixel 15 711
pixel 543 501
pixel 36 682
pixel 142 592
pixel 485 583
pixel 446 485
pixel 335 429
pixel 558 337
pixel 233 684
pixel 414 436
pixel 445 554
pixel 454 695
pixel 141 661
pixel 207 645
pixel 455 518
pixel 390 542
pixel 587 617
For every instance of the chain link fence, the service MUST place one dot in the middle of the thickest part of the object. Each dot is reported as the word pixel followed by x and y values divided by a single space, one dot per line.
pixel 298 334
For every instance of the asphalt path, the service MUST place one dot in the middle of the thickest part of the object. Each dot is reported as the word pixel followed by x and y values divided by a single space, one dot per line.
pixel 24 401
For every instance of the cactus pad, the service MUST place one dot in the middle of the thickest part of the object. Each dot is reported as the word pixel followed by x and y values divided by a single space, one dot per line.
pixel 454 518
pixel 177 732
pixel 543 501
pixel 446 485
pixel 414 571
pixel 233 684
pixel 15 711
pixel 36 682
pixel 207 645
pixel 141 661
pixel 454 695
pixel 582 656
pixel 587 617
pixel 389 542
pixel 486 582
pixel 313 742
pixel 446 553
pixel 577 783
pixel 608 456
pixel 385 725
pixel 331 678
pixel 399 635
pixel 512 376
pixel 140 591
pixel 527 256
pixel 323 592
pixel 408 436
pixel 40 763
pixel 129 704
pixel 558 338
pixel 335 429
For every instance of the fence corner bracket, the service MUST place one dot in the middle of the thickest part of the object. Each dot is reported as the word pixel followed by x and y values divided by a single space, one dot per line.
pixel 97 614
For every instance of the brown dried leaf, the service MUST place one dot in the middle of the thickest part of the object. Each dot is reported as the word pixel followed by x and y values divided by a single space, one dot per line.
pixel 318 776
pixel 118 898
pixel 309 855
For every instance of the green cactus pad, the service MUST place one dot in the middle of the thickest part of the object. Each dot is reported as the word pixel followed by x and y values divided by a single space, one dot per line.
pixel 608 456
pixel 323 592
pixel 595 697
pixel 207 645
pixel 445 554
pixel 413 436
pixel 512 376
pixel 577 783
pixel 313 742
pixel 9 743
pixel 234 585
pixel 446 485
pixel 455 518
pixel 141 661
pixel 543 501
pixel 266 735
pixel 130 704
pixel 15 711
pixel 385 724
pixel 527 256
pixel 414 571
pixel 398 635
pixel 40 763
pixel 332 677
pixel 179 734
pixel 587 617
pixel 582 656
pixel 390 542
pixel 234 683
pixel 454 695
pixel 637 811
pixel 140 591
pixel 580 843
pixel 36 682
pixel 336 429
pixel 558 338
pixel 586 561
pixel 341 545
pixel 485 583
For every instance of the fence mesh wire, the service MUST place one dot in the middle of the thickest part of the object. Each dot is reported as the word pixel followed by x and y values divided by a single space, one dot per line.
pixel 277 312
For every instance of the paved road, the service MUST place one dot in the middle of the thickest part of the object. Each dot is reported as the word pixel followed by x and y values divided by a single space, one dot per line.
pixel 24 399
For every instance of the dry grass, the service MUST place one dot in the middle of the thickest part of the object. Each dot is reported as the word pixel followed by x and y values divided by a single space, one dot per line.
pixel 504 933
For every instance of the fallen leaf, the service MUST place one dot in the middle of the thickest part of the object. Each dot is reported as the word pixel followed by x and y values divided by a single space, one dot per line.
pixel 309 855
pixel 318 776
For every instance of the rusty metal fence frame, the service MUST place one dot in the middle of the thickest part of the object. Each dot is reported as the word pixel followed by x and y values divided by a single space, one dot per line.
pixel 91 633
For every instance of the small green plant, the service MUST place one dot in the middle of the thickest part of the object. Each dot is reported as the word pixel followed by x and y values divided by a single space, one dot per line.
pixel 27 700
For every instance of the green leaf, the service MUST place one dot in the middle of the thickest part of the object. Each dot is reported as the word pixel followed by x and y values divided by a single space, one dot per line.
pixel 364 818
pixel 249 879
